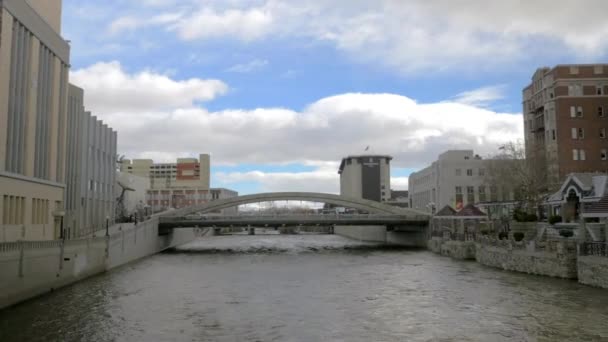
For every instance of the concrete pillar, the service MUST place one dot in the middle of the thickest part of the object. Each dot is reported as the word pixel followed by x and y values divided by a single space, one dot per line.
pixel 5 71
pixel 30 131
pixel 54 120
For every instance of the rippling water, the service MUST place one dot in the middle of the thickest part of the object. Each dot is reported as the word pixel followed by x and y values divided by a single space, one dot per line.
pixel 310 288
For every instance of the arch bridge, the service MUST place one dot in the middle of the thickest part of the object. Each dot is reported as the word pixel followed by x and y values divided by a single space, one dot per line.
pixel 378 212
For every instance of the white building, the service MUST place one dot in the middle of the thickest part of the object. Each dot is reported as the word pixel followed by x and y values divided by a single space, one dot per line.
pixel 135 190
pixel 366 176
pixel 455 179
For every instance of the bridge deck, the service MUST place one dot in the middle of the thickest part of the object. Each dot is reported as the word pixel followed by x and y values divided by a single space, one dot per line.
pixel 290 220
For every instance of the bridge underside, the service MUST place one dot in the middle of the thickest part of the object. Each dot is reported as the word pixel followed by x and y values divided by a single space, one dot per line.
pixel 337 200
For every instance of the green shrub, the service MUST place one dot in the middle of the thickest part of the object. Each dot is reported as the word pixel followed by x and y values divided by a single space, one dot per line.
pixel 566 233
pixel 503 235
pixel 555 219
pixel 518 236
pixel 531 218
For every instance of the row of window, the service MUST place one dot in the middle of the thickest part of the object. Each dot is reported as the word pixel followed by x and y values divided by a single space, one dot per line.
pixel 580 154
pixel 13 210
pixel 579 133
pixel 481 194
pixel 577 111
pixel 480 172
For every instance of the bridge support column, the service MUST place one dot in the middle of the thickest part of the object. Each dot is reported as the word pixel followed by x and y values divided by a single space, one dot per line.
pixel 251 230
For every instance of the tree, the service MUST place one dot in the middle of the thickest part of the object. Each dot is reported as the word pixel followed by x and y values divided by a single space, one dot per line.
pixel 525 177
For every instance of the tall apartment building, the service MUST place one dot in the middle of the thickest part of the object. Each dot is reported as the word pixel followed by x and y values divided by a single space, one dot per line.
pixel 91 170
pixel 566 120
pixel 366 176
pixel 456 179
pixel 186 172
pixel 163 199
pixel 34 61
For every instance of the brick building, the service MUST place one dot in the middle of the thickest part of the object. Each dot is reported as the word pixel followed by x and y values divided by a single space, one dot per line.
pixel 566 120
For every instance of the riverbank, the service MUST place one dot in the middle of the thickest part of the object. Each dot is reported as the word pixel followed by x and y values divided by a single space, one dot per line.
pixel 29 268
pixel 561 258
pixel 285 291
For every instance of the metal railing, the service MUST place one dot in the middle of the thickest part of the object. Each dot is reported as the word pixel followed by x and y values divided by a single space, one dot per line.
pixel 593 248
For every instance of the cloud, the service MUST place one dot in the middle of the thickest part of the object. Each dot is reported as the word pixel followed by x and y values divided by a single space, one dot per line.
pixel 245 25
pixel 109 89
pixel 156 115
pixel 481 96
pixel 410 36
pixel 251 66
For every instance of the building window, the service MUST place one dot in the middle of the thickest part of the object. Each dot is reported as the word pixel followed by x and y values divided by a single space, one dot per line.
pixel 458 172
pixel 470 194
pixel 553 133
pixel 470 172
pixel 466 158
pixel 482 172
pixel 574 154
pixel 579 112
pixel 572 111
pixel 574 133
pixel 599 90
pixel 581 133
pixel 459 195
pixel 574 70
pixel 603 154
pixel 602 133
pixel 482 193
pixel 582 155
pixel 598 69
pixel 600 111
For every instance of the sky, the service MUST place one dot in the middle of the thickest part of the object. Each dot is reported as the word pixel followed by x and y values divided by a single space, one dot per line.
pixel 278 91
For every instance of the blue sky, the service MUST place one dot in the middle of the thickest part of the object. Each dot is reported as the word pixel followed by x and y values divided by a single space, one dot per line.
pixel 278 91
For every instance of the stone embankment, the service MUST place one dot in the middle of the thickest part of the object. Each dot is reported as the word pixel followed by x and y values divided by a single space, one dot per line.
pixel 557 257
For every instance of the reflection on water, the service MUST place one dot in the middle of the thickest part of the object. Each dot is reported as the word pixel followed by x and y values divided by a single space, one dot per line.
pixel 310 288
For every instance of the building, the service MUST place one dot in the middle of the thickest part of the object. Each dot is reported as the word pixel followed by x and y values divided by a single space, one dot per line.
pixel 456 179
pixel 186 172
pixel 34 62
pixel 163 199
pixel 580 195
pixel 91 170
pixel 566 120
pixel 130 192
pixel 366 176
pixel 399 198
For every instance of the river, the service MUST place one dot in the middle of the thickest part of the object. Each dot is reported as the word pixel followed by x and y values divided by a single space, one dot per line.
pixel 309 288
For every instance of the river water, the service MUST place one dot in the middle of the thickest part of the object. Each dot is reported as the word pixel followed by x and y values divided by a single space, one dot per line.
pixel 309 288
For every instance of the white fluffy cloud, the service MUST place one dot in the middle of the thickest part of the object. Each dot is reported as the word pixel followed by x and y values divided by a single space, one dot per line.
pixel 408 35
pixel 110 89
pixel 157 115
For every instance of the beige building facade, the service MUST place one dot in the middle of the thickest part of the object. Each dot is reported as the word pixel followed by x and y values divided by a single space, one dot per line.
pixel 185 172
pixel 34 62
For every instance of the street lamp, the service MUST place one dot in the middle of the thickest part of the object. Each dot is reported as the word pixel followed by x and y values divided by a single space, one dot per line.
pixel 107 225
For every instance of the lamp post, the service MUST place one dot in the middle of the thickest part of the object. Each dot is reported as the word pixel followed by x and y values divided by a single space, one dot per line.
pixel 107 225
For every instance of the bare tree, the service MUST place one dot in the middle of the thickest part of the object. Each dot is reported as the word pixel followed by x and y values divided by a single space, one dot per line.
pixel 510 169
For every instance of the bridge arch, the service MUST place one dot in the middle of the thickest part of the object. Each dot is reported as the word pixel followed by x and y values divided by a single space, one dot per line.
pixel 338 200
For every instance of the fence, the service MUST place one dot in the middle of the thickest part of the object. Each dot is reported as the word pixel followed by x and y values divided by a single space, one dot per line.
pixel 593 248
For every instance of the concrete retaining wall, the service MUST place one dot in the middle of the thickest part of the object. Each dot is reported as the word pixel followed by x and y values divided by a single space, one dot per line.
pixel 532 262
pixel 28 269
pixel 362 233
pixel 463 250
pixel 434 244
pixel 593 270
